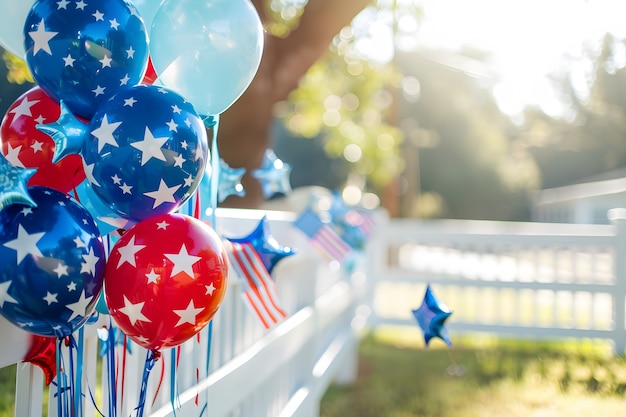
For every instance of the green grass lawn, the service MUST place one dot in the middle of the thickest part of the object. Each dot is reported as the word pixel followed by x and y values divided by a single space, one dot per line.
pixel 498 379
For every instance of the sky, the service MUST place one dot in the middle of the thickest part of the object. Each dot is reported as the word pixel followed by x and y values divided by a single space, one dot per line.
pixel 528 40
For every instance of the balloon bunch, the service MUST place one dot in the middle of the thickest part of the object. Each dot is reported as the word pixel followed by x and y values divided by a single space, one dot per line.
pixel 125 93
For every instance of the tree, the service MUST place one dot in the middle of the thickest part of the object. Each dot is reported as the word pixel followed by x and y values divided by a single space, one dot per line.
pixel 245 127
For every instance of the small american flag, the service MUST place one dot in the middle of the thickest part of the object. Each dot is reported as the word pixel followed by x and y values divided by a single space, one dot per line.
pixel 259 290
pixel 322 237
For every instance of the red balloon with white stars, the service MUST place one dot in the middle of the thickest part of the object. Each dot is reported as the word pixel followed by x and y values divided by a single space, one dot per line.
pixel 165 279
pixel 25 146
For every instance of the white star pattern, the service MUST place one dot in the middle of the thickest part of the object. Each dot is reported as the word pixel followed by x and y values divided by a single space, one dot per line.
pixel 89 265
pixel 104 133
pixel 152 277
pixel 79 308
pixel 133 311
pixel 37 146
pixel 81 5
pixel 23 109
pixel 106 61
pixel 41 38
pixel 188 315
pixel 125 80
pixel 184 144
pixel 130 102
pixel 51 298
pixel 71 286
pixel 40 119
pixel 98 90
pixel 25 244
pixel 162 225
pixel 183 262
pixel 114 24
pixel 130 53
pixel 13 156
pixel 98 16
pixel 62 4
pixel 209 289
pixel 164 194
pixel 150 147
pixel 126 189
pixel 5 297
pixel 176 109
pixel 79 242
pixel 178 161
pixel 188 181
pixel 26 211
pixel 116 180
pixel 69 61
pixel 127 253
pixel 172 126
pixel 61 270
pixel 89 173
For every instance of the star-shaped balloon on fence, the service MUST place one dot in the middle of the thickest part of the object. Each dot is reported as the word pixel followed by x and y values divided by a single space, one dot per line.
pixel 266 245
pixel 273 175
pixel 431 317
pixel 13 184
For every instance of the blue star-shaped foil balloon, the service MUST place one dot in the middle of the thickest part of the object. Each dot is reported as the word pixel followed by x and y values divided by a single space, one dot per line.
pixel 268 248
pixel 67 132
pixel 431 317
pixel 229 182
pixel 273 175
pixel 13 184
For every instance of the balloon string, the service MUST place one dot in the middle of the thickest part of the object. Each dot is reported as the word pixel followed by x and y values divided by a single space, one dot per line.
pixel 215 171
pixel 151 357
pixel 123 370
pixel 79 372
pixel 156 393
pixel 112 380
pixel 174 398
pixel 61 384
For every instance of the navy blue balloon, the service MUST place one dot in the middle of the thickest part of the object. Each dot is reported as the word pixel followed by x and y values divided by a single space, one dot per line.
pixel 146 152
pixel 83 52
pixel 431 317
pixel 266 245
pixel 53 263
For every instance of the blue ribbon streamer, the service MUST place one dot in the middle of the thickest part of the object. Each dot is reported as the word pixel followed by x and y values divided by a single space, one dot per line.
pixel 213 122
pixel 174 397
pixel 151 358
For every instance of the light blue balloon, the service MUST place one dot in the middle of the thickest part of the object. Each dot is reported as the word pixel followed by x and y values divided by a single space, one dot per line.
pixel 207 50
pixel 147 10
pixel 12 21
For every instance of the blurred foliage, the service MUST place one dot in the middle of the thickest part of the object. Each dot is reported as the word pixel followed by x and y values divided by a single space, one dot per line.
pixel 284 16
pixel 346 102
pixel 18 72
pixel 467 149
pixel 590 141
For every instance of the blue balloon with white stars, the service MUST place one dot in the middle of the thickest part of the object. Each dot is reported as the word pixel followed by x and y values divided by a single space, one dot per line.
pixel 53 263
pixel 146 152
pixel 265 244
pixel 83 52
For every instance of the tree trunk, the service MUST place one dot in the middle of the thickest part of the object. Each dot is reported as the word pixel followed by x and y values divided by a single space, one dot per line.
pixel 244 133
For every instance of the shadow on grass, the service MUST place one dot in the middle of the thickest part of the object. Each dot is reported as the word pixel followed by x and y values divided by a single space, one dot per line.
pixel 397 381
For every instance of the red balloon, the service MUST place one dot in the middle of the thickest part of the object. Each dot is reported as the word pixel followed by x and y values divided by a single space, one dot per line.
pixel 150 75
pixel 165 279
pixel 42 352
pixel 25 146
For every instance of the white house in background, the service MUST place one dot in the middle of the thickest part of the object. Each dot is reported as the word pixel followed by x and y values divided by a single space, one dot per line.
pixel 586 202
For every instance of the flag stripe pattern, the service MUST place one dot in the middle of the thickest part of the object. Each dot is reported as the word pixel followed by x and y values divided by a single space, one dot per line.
pixel 259 290
pixel 324 239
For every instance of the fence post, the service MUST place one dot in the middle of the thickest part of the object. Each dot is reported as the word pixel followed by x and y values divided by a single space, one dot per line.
pixel 617 216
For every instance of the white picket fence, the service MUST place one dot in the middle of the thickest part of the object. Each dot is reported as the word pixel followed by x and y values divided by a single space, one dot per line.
pixel 534 280
pixel 531 280
pixel 252 371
